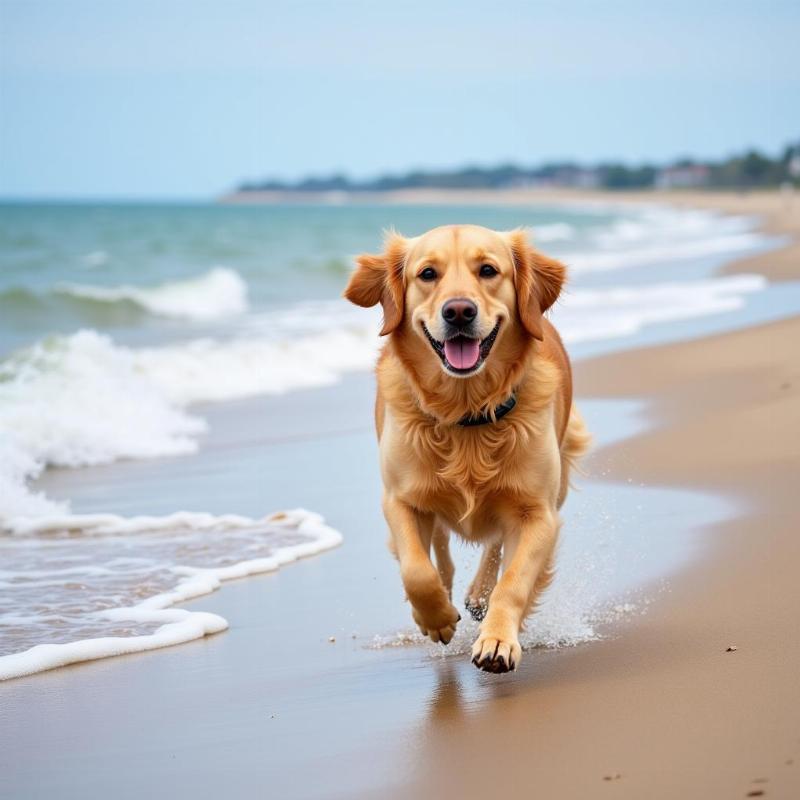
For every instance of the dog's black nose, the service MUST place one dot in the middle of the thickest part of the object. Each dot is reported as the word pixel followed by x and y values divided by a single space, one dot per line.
pixel 459 312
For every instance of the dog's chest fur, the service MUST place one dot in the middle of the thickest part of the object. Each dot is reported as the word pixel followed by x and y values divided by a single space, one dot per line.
pixel 472 477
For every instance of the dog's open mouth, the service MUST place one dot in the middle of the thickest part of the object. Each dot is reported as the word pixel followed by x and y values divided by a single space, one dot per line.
pixel 463 355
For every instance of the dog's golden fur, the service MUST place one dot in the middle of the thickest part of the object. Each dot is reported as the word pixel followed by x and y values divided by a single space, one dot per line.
pixel 499 484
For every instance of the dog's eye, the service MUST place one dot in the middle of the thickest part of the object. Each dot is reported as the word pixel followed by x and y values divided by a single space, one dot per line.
pixel 428 274
pixel 487 271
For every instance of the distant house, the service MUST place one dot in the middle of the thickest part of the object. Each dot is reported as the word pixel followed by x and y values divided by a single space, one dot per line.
pixel 685 176
pixel 568 176
pixel 584 178
pixel 793 168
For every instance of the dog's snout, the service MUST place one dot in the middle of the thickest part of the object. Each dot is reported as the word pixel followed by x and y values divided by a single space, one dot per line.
pixel 459 312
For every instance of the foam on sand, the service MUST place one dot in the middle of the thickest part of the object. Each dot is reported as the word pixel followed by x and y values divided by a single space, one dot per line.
pixel 100 585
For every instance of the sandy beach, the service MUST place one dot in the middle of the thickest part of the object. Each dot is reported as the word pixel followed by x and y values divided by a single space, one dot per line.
pixel 698 697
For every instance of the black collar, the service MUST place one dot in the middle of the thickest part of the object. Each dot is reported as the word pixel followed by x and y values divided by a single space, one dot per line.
pixel 485 419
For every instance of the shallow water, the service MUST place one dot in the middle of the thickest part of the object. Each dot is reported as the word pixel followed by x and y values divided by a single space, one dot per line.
pixel 132 319
pixel 279 692
pixel 65 585
pixel 321 450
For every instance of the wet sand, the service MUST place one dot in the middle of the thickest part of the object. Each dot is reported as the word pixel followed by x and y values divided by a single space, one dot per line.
pixel 273 694
pixel 701 697
pixel 658 708
pixel 663 709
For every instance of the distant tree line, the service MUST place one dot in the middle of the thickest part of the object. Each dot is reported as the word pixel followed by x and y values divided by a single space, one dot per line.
pixel 748 170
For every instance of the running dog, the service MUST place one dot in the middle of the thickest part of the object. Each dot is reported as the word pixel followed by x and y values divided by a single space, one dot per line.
pixel 475 421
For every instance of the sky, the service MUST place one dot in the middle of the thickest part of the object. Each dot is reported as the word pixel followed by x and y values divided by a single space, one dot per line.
pixel 176 99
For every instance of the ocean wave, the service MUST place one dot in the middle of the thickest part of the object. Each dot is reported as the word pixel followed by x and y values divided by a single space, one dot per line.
pixel 81 400
pixel 216 294
pixel 103 585
pixel 594 315
pixel 663 252
pixel 76 401
pixel 209 370
pixel 658 235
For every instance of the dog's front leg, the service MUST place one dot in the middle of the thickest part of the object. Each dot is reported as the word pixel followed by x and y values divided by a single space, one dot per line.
pixel 529 548
pixel 430 602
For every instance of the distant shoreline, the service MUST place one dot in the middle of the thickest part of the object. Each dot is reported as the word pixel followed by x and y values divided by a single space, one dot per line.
pixel 705 198
pixel 778 210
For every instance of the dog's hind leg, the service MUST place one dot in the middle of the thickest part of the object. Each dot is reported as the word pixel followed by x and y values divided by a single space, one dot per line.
pixel 440 539
pixel 544 579
pixel 477 599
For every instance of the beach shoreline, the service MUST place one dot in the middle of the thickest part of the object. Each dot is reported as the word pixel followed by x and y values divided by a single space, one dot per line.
pixel 699 697
pixel 659 707
pixel 778 210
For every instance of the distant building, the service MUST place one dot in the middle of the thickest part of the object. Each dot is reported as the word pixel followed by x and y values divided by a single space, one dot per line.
pixel 573 177
pixel 687 176
pixel 585 179
pixel 793 168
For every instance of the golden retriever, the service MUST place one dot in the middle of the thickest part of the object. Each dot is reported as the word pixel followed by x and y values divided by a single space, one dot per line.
pixel 475 421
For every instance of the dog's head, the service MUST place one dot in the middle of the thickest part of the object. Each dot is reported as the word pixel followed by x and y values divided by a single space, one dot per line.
pixel 461 289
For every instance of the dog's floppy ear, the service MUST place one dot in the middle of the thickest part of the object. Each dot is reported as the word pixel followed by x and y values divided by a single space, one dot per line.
pixel 379 279
pixel 538 279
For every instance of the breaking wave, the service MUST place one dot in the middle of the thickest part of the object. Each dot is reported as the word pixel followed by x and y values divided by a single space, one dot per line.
pixel 219 293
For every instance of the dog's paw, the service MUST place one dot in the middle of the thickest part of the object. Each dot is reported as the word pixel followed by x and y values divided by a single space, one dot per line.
pixel 496 655
pixel 477 607
pixel 439 624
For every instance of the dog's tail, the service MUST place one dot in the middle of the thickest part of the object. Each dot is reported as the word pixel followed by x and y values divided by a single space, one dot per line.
pixel 574 445
pixel 576 438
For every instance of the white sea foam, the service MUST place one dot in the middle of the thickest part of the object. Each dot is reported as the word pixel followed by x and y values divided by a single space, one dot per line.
pixel 75 401
pixel 209 370
pixel 219 293
pixel 554 232
pixel 595 314
pixel 82 400
pixel 99 585
pixel 18 466
pixel 659 235
pixel 662 252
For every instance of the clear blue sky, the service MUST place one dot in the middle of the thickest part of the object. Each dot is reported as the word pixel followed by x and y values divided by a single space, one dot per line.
pixel 115 98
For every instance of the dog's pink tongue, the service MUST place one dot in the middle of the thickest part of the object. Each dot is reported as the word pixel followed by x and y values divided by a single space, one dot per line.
pixel 462 353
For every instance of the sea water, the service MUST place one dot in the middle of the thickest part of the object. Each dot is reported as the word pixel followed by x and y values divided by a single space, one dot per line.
pixel 117 321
